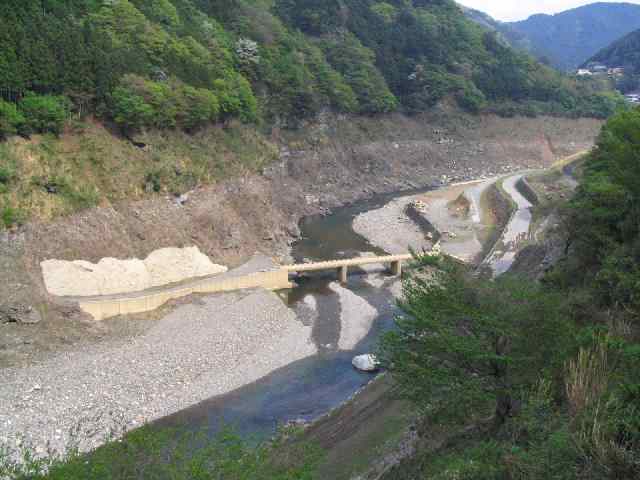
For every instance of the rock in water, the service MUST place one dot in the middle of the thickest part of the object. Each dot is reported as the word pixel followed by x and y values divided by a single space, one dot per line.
pixel 366 363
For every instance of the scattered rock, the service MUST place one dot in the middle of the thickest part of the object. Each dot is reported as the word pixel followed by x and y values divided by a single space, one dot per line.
pixel 19 314
pixel 366 363
pixel 182 199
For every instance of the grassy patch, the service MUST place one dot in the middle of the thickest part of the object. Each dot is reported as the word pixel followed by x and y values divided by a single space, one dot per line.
pixel 158 454
pixel 47 176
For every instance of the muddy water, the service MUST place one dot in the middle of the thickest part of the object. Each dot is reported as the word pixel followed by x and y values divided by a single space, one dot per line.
pixel 308 389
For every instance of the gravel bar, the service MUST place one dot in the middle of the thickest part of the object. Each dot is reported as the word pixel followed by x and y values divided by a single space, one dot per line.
pixel 200 350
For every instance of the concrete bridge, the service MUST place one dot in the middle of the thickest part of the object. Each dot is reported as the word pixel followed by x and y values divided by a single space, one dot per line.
pixel 277 278
pixel 342 266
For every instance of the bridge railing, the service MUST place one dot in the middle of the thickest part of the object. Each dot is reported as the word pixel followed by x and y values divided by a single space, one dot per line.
pixel 350 262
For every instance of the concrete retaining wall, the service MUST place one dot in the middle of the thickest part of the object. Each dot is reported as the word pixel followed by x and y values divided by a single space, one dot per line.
pixel 105 307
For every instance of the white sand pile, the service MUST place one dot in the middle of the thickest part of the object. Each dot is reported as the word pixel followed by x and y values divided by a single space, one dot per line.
pixel 112 276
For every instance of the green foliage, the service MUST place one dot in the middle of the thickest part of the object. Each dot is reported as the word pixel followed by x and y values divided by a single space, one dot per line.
pixel 149 453
pixel 385 10
pixel 355 62
pixel 282 64
pixel 11 119
pixel 44 113
pixel 129 110
pixel 604 219
pixel 138 103
pixel 481 461
pixel 472 99
pixel 462 344
pixel 10 217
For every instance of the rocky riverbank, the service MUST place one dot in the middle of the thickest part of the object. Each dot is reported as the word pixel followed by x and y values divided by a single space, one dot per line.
pixel 333 161
pixel 199 350
pixel 207 346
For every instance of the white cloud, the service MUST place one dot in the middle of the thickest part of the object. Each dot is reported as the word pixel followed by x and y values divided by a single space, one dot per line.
pixel 508 10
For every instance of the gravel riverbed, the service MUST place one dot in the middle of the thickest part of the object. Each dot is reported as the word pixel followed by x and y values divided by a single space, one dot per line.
pixel 206 348
pixel 391 229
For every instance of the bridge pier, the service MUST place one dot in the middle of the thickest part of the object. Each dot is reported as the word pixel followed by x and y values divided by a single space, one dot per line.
pixel 396 268
pixel 343 272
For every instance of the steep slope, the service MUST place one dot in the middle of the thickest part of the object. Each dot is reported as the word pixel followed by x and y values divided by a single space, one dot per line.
pixel 178 68
pixel 185 63
pixel 569 38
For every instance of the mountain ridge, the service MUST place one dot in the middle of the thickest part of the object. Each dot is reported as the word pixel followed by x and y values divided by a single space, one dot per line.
pixel 567 39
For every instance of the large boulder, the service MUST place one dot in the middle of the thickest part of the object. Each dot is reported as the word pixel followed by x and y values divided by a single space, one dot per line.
pixel 366 363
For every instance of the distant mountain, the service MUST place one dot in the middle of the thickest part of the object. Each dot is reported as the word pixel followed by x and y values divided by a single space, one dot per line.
pixel 568 39
pixel 623 53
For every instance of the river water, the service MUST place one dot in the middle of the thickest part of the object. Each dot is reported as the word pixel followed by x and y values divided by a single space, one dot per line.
pixel 310 388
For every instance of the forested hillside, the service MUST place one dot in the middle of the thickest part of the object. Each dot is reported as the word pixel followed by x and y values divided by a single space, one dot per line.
pixel 624 52
pixel 185 63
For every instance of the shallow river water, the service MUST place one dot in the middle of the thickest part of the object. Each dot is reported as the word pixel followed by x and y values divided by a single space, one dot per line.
pixel 310 388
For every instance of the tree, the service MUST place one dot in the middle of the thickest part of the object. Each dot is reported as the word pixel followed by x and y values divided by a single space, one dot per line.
pixel 604 218
pixel 11 120
pixel 465 347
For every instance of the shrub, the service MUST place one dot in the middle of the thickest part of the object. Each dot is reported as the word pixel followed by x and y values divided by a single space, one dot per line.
pixel 471 99
pixel 11 120
pixel 138 103
pixel 199 107
pixel 129 109
pixel 44 113
pixel 10 216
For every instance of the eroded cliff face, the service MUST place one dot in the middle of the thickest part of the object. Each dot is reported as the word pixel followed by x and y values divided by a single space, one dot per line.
pixel 328 163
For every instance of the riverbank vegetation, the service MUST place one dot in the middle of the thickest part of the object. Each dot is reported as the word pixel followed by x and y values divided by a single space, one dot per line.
pixel 535 381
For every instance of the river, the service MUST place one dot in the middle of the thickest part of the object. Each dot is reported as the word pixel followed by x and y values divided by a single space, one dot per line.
pixel 307 389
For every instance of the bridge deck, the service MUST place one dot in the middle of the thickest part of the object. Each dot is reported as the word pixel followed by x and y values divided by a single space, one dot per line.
pixel 351 262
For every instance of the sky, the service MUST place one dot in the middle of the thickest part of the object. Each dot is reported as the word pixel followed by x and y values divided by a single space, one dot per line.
pixel 509 10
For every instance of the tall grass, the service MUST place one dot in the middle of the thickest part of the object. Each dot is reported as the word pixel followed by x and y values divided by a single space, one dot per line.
pixel 587 377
